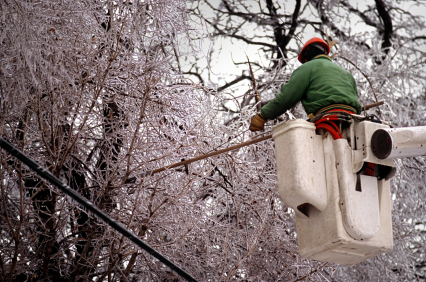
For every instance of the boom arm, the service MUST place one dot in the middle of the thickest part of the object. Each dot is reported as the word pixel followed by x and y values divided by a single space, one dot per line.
pixel 390 143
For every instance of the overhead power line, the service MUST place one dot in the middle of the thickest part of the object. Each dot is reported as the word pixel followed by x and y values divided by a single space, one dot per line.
pixel 89 206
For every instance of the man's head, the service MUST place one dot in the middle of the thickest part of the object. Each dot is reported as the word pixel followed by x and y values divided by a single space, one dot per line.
pixel 312 48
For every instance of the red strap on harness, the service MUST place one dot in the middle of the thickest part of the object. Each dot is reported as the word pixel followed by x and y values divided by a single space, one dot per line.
pixel 340 110
pixel 327 124
pixel 335 134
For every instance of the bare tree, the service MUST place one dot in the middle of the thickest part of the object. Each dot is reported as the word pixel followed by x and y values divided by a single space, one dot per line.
pixel 92 91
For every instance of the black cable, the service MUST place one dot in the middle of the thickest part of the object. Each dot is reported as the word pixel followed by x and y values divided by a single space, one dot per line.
pixel 90 207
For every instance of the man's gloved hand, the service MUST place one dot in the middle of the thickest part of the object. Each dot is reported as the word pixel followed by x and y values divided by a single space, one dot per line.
pixel 258 122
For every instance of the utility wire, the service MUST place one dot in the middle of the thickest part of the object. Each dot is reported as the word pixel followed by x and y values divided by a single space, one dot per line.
pixel 91 207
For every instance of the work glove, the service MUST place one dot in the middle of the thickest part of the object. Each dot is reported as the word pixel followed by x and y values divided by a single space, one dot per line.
pixel 258 122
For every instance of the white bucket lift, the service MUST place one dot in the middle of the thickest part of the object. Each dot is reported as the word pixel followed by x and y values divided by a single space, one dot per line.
pixel 342 215
pixel 300 161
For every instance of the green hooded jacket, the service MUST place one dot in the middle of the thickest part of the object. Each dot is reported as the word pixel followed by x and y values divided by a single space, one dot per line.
pixel 318 83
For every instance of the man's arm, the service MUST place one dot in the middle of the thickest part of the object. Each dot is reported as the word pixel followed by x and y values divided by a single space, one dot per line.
pixel 291 93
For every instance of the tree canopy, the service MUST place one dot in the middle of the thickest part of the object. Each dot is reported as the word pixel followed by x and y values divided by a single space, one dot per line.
pixel 102 93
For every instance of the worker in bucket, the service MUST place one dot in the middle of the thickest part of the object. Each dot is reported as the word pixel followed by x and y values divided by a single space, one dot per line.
pixel 318 83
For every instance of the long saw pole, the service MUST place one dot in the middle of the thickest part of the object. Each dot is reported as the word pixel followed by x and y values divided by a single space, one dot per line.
pixel 253 141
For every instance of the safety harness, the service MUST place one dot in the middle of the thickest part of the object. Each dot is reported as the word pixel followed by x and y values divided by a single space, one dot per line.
pixel 327 120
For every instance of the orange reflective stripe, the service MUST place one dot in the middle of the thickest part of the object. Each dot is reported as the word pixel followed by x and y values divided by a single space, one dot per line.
pixel 338 107
pixel 341 110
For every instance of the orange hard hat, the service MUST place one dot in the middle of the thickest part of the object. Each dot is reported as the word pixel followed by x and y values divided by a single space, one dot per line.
pixel 317 40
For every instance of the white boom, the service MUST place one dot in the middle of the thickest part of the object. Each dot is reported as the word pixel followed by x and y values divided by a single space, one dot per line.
pixel 390 143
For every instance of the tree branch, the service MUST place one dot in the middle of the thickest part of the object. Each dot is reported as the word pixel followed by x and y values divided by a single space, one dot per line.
pixel 235 81
pixel 387 30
